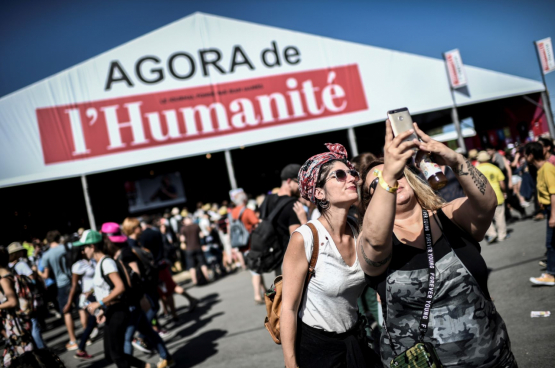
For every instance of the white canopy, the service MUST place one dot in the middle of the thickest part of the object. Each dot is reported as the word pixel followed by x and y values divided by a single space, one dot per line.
pixel 207 83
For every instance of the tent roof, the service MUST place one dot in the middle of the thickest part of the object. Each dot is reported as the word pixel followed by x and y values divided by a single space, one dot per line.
pixel 43 140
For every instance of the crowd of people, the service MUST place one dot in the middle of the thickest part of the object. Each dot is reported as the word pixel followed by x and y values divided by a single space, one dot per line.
pixel 392 251
pixel 121 276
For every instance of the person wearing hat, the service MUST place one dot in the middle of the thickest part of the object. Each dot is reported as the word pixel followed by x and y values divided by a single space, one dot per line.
pixel 19 260
pixel 287 220
pixel 82 273
pixel 111 306
pixel 21 265
pixel 498 228
pixel 120 250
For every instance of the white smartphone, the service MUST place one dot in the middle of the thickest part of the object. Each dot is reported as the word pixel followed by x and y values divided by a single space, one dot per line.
pixel 401 121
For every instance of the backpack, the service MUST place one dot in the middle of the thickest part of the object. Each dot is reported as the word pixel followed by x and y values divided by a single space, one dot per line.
pixel 134 289
pixel 150 277
pixel 266 253
pixel 238 233
pixel 274 295
pixel 27 295
pixel 38 290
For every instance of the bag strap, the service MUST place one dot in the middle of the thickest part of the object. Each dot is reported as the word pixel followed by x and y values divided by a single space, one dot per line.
pixel 425 319
pixel 277 209
pixel 315 252
pixel 127 281
pixel 241 213
pixel 141 259
pixel 265 204
pixel 106 279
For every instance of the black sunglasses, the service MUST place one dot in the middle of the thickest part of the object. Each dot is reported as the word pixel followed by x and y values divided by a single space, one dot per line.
pixel 341 175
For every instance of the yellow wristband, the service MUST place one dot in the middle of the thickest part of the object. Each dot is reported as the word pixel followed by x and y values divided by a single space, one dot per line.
pixel 383 184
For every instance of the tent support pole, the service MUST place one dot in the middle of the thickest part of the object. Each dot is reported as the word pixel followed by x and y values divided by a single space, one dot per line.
pixel 353 141
pixel 230 171
pixel 90 213
pixel 455 118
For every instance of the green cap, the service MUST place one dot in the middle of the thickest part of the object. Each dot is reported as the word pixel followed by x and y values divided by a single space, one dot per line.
pixel 89 237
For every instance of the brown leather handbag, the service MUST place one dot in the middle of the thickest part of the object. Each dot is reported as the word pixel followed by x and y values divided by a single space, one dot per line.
pixel 273 296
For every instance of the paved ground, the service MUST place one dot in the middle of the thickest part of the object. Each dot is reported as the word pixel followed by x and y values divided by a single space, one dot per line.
pixel 227 328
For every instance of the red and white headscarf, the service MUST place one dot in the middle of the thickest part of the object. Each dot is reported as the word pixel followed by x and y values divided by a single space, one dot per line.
pixel 309 172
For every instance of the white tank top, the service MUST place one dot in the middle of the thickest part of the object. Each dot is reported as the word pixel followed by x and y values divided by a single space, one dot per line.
pixel 330 301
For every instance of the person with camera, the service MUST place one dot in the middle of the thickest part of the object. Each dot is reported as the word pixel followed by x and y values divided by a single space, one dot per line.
pixel 423 258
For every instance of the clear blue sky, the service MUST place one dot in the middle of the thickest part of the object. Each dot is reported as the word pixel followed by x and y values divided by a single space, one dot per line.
pixel 40 38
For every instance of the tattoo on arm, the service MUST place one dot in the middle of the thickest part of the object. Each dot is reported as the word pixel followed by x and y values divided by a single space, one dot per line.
pixel 374 263
pixel 460 170
pixel 479 179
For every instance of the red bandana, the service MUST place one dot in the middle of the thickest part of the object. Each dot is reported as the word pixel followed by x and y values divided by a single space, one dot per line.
pixel 309 172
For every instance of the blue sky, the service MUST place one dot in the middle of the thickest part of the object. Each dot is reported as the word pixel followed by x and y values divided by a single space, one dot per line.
pixel 41 38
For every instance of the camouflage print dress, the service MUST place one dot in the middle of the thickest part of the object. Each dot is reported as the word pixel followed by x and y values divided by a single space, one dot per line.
pixel 464 326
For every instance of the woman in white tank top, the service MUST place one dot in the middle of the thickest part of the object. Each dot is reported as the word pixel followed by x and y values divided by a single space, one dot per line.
pixel 320 326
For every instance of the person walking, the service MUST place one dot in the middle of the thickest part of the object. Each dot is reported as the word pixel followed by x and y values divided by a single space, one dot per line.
pixel 190 235
pixel 120 251
pixel 16 326
pixel 54 262
pixel 323 328
pixel 249 220
pixel 423 257
pixel 546 196
pixel 111 306
pixel 82 289
pixel 287 220
pixel 498 228
pixel 20 264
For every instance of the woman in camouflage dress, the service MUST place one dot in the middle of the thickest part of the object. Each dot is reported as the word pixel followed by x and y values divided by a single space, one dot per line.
pixel 463 325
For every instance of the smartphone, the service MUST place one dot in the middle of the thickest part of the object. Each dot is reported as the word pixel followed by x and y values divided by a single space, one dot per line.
pixel 401 121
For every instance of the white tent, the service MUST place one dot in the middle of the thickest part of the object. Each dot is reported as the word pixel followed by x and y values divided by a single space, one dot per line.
pixel 206 84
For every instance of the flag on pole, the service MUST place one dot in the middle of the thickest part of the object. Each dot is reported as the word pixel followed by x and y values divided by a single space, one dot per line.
pixel 455 66
pixel 545 52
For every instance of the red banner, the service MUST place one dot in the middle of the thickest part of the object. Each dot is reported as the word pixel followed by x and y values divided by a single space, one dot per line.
pixel 74 132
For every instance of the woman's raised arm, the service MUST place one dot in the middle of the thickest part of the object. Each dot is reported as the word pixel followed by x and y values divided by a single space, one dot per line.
pixel 475 212
pixel 375 240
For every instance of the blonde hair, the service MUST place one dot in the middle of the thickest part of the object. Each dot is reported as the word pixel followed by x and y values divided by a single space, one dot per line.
pixel 129 225
pixel 425 195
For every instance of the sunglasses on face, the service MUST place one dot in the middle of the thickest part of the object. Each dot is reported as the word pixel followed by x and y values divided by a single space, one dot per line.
pixel 341 175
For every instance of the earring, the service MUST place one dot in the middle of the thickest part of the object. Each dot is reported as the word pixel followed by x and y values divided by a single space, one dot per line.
pixel 324 204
